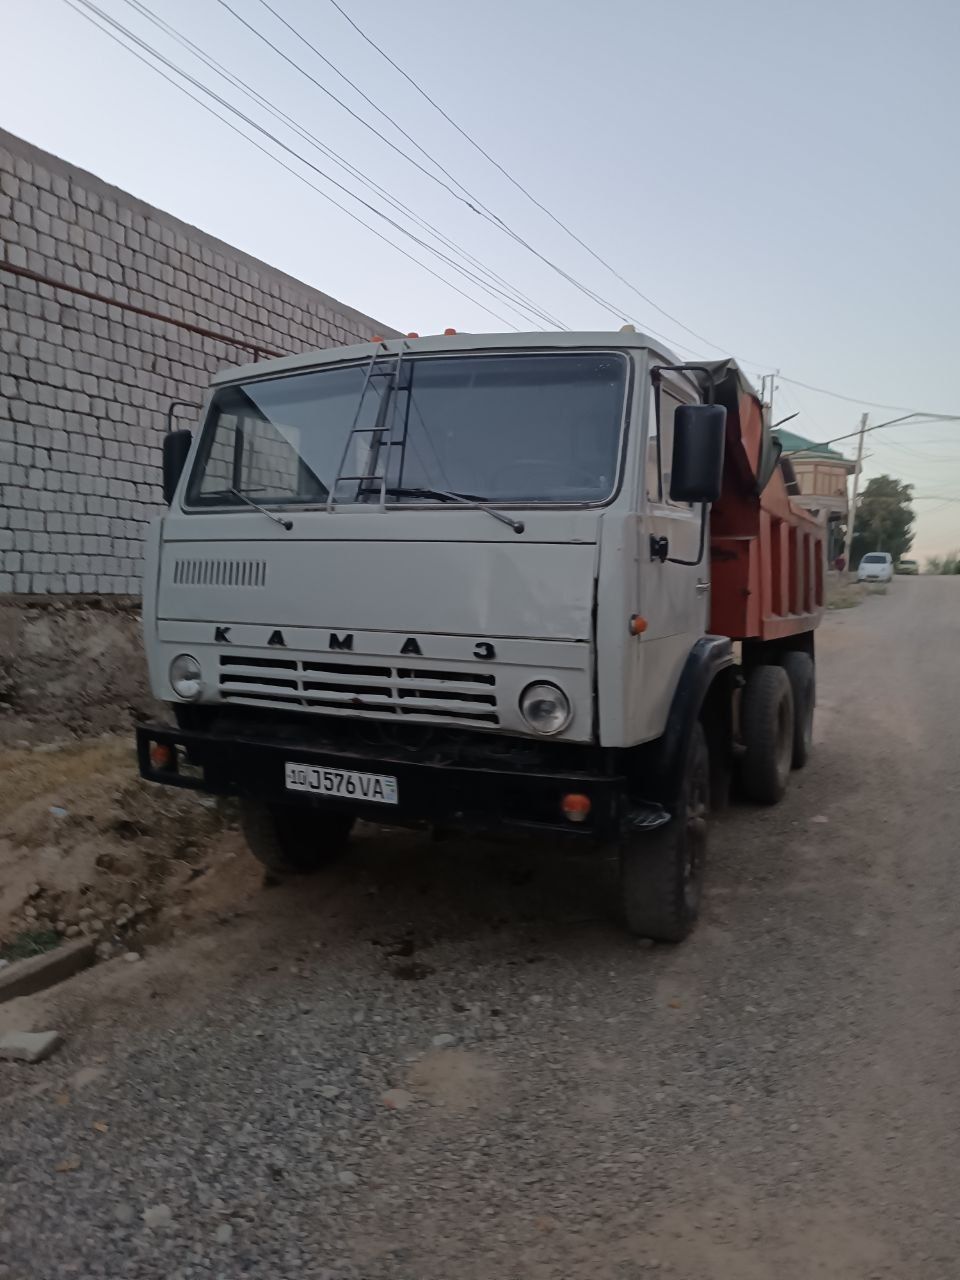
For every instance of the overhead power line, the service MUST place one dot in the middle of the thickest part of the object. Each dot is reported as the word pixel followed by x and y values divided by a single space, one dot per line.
pixel 521 188
pixel 505 292
pixel 465 199
pixel 415 84
pixel 474 204
pixel 865 430
pixel 230 107
pixel 367 99
pixel 83 12
pixel 858 400
pixel 526 310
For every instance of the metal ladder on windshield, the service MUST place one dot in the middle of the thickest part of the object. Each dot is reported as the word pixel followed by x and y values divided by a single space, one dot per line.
pixel 381 433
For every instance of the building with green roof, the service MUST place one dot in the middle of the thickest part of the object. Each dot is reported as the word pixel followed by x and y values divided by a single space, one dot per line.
pixel 822 475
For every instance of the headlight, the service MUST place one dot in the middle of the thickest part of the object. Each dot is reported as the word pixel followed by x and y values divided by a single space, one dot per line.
pixel 545 708
pixel 185 676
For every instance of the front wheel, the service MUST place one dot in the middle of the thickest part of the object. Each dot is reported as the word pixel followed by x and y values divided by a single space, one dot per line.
pixel 661 875
pixel 292 841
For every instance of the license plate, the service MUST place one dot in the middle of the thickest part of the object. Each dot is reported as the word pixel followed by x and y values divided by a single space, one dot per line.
pixel 371 788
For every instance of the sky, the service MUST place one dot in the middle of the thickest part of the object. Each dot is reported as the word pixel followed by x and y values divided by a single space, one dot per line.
pixel 780 178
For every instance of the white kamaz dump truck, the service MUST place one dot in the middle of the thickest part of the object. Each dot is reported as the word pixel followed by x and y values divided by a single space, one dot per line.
pixel 466 581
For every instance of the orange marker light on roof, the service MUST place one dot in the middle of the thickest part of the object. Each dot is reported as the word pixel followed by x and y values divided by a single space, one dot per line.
pixel 449 333
pixel 376 338
pixel 413 335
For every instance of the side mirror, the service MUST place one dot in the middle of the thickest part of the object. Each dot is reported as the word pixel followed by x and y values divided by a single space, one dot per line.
pixel 699 433
pixel 176 446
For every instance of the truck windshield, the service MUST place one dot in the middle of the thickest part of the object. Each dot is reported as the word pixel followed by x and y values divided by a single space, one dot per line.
pixel 525 428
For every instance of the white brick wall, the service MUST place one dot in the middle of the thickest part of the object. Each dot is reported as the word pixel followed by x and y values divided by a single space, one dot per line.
pixel 85 385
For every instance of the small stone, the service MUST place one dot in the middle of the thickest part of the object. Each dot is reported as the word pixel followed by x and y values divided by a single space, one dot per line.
pixel 444 1041
pixel 34 891
pixel 73 931
pixel 158 1216
pixel 347 1179
pixel 397 1099
pixel 131 956
pixel 329 1091
pixel 794 1128
pixel 85 913
pixel 29 1046
pixel 819 817
pixel 58 811
pixel 104 951
pixel 4 963
pixel 123 1213
pixel 224 1233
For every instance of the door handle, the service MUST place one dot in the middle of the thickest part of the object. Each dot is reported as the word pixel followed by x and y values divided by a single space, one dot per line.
pixel 702 587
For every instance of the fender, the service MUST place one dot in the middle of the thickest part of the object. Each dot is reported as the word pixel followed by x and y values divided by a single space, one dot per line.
pixel 708 659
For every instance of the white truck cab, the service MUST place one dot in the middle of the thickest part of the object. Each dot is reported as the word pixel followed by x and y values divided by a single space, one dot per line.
pixel 457 580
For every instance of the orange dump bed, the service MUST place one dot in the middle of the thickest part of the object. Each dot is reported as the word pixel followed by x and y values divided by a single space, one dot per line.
pixel 767 555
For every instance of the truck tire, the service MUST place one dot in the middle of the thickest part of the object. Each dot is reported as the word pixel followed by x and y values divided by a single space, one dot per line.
pixel 293 841
pixel 803 682
pixel 661 875
pixel 766 728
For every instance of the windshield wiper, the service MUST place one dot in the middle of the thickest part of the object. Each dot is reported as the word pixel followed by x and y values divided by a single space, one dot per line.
pixel 467 499
pixel 271 515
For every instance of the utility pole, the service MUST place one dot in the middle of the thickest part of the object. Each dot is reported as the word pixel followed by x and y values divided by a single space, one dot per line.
pixel 852 522
pixel 766 395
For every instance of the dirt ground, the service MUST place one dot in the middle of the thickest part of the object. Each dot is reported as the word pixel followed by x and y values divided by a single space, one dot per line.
pixel 446 1059
pixel 70 668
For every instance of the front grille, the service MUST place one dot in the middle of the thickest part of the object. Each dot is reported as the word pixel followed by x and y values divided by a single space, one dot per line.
pixel 219 573
pixel 360 689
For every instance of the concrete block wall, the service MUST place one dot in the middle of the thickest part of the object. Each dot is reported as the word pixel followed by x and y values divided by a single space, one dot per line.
pixel 86 377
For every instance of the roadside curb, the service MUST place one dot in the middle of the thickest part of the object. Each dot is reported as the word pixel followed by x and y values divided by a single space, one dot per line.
pixel 26 977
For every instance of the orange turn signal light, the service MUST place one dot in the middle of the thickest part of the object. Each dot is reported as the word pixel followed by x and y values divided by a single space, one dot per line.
pixel 449 333
pixel 161 756
pixel 576 807
pixel 413 335
pixel 638 625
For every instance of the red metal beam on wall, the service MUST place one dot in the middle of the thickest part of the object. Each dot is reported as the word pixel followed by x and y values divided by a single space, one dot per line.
pixel 256 349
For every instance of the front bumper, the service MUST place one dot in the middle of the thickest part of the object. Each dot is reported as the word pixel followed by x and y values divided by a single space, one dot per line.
pixel 466 797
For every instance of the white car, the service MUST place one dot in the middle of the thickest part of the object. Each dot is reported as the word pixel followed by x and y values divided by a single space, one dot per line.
pixel 876 566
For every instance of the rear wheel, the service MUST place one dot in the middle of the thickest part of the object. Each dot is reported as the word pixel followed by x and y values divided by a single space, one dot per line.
pixel 801 672
pixel 766 728
pixel 661 875
pixel 293 841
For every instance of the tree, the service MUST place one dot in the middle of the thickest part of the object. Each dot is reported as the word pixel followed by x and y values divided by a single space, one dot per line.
pixel 949 564
pixel 884 519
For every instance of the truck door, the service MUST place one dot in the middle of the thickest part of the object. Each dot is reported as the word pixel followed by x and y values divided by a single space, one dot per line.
pixel 674 598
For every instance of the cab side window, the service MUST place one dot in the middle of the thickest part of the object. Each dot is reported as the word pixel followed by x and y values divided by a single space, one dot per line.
pixel 659 461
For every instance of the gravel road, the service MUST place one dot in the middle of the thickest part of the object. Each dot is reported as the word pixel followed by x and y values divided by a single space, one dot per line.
pixel 777 1097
